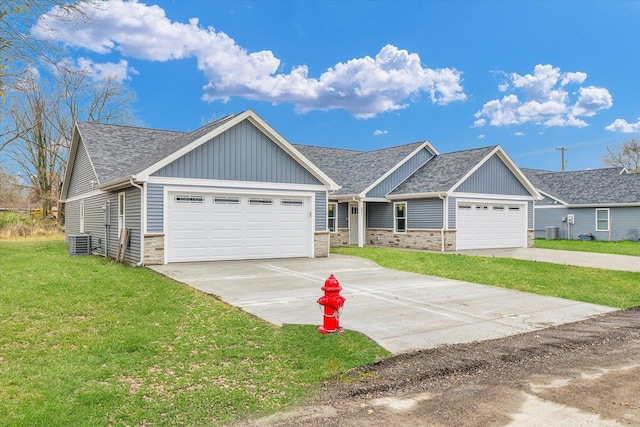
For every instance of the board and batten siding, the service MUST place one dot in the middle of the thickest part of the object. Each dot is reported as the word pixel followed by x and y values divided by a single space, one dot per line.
pixel 82 173
pixel 242 153
pixel 493 177
pixel 400 174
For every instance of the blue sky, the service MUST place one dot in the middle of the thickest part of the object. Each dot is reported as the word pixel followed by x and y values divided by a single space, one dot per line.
pixel 530 76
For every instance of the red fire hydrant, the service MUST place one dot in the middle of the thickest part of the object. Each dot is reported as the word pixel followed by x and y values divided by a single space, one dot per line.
pixel 332 302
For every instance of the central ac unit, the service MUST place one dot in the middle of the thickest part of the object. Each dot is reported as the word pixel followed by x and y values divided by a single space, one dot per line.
pixel 552 233
pixel 80 244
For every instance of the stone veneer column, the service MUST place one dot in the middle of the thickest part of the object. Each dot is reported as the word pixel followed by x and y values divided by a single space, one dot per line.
pixel 321 244
pixel 153 249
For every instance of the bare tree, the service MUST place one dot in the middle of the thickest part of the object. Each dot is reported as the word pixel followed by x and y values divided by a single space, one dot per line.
pixel 624 155
pixel 42 94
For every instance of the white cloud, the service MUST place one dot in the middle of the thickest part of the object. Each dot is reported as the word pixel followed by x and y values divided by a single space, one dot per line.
pixel 592 99
pixel 545 100
pixel 621 125
pixel 363 86
pixel 517 134
pixel 481 136
pixel 101 71
pixel 380 132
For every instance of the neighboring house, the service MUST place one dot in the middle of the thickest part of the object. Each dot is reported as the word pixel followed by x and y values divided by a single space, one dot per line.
pixel 236 189
pixel 411 196
pixel 233 189
pixel 603 203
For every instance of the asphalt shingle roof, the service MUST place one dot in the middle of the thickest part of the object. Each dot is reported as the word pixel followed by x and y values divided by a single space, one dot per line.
pixel 441 173
pixel 355 170
pixel 119 151
pixel 585 187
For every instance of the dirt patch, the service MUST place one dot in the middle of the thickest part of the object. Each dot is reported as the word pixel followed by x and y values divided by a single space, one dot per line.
pixel 583 373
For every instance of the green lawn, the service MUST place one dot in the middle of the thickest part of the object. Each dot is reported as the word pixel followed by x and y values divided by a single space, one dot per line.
pixel 86 342
pixel 617 248
pixel 606 287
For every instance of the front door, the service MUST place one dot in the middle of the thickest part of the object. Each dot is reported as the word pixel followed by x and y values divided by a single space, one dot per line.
pixel 353 224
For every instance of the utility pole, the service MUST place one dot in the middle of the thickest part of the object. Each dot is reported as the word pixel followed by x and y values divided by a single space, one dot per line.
pixel 562 149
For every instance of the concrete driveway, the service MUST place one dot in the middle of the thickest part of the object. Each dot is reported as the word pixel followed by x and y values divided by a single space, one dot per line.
pixel 400 311
pixel 580 259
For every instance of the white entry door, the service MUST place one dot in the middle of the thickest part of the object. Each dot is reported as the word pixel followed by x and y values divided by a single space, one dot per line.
pixel 212 227
pixel 491 225
pixel 353 224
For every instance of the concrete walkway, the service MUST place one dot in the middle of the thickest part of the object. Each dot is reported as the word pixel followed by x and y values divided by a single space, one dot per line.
pixel 401 311
pixel 580 259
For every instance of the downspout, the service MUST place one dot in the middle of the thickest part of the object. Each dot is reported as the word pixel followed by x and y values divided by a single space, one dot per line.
pixel 444 220
pixel 142 220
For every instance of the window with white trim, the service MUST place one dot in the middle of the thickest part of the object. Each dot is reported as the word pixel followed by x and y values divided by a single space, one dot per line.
pixel 332 214
pixel 82 216
pixel 602 219
pixel 400 217
pixel 121 213
pixel 226 200
pixel 258 201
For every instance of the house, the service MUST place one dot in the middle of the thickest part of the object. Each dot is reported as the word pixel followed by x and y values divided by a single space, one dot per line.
pixel 232 189
pixel 412 196
pixel 236 189
pixel 603 203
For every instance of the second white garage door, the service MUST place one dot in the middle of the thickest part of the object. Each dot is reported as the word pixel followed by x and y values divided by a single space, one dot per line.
pixel 212 227
pixel 488 225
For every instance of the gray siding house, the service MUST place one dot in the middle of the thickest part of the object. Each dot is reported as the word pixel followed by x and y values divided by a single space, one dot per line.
pixel 233 189
pixel 412 196
pixel 603 203
pixel 236 189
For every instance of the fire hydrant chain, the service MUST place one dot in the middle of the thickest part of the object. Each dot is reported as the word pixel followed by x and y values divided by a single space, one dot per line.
pixel 333 303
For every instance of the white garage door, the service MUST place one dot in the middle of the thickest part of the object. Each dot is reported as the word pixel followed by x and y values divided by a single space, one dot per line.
pixel 212 227
pixel 487 225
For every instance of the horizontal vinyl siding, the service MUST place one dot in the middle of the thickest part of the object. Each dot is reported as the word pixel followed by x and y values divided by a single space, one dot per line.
pixel 452 213
pixel 530 215
pixel 82 173
pixel 625 223
pixel 424 213
pixel 343 215
pixel 242 153
pixel 400 174
pixel 321 211
pixel 380 215
pixel 155 208
pixel 132 221
pixel 493 177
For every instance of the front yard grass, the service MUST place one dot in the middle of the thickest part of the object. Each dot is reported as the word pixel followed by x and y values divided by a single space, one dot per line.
pixel 616 248
pixel 619 289
pixel 85 342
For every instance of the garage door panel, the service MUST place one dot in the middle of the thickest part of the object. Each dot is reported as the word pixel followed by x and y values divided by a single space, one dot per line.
pixel 487 225
pixel 238 227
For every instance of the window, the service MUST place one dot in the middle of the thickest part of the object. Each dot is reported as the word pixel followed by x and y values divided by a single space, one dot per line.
pixel 400 217
pixel 260 202
pixel 82 216
pixel 602 219
pixel 121 213
pixel 224 200
pixel 189 199
pixel 292 202
pixel 332 213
